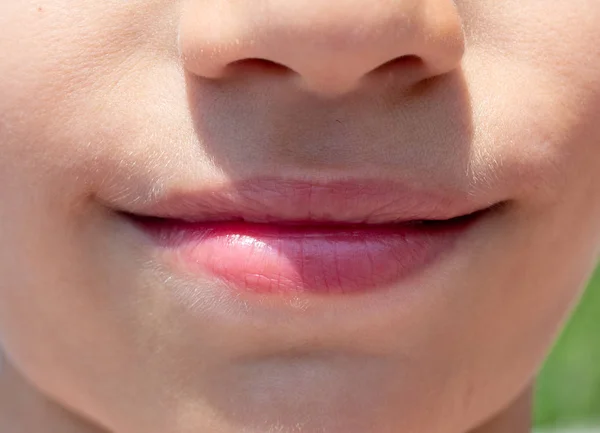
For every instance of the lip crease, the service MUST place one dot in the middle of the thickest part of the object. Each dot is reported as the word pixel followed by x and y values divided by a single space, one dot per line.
pixel 273 236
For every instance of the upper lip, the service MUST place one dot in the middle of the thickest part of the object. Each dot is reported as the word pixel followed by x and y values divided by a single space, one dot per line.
pixel 271 200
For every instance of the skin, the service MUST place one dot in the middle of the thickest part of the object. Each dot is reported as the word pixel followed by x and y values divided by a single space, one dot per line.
pixel 104 102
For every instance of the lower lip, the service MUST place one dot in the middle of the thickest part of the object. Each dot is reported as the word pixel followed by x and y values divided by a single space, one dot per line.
pixel 292 259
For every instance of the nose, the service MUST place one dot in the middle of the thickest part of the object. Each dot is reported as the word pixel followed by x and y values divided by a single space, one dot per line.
pixel 329 46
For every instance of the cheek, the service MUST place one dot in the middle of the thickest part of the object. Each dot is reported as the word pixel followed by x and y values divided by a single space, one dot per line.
pixel 68 317
pixel 534 82
pixel 540 139
pixel 518 286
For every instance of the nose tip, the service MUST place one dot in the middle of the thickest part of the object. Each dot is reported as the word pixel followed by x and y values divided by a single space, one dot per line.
pixel 329 45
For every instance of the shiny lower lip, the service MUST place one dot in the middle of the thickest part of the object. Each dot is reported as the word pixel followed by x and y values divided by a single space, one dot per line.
pixel 292 259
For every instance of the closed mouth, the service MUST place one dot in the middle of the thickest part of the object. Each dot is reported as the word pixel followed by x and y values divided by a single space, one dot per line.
pixel 304 257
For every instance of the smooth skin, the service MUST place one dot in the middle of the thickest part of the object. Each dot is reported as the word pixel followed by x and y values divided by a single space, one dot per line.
pixel 104 103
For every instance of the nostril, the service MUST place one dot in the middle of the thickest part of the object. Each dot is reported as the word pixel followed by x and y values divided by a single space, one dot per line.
pixel 402 62
pixel 258 65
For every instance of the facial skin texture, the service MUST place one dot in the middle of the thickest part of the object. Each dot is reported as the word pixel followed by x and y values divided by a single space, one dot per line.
pixel 105 102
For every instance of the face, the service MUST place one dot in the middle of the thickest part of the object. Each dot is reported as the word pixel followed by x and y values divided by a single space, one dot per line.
pixel 110 106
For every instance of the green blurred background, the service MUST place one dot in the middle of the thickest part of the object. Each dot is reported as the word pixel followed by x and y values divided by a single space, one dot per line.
pixel 568 388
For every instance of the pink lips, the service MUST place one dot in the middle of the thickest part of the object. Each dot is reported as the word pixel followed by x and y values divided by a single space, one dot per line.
pixel 267 258
pixel 303 241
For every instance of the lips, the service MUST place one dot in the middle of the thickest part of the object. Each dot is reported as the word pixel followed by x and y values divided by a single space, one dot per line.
pixel 283 201
pixel 279 237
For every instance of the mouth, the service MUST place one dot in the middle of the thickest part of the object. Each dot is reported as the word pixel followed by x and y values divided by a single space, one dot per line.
pixel 277 238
